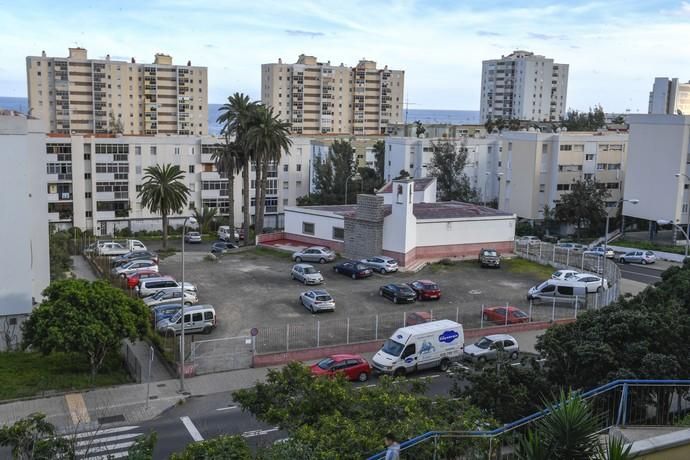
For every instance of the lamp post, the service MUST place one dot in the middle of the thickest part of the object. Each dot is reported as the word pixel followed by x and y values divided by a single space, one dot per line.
pixel 354 176
pixel 192 221
pixel 679 175
pixel 685 234
pixel 606 233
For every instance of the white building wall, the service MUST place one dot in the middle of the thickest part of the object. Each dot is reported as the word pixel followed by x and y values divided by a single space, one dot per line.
pixel 399 228
pixel 465 231
pixel 323 221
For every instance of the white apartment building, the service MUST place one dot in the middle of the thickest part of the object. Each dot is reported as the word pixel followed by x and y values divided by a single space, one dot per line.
pixel 93 182
pixel 525 86
pixel 414 155
pixel 669 96
pixel 320 98
pixel 78 95
pixel 659 149
pixel 24 242
pixel 535 168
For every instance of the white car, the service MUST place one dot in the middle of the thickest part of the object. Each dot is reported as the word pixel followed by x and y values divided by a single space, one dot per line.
pixel 564 274
pixel 599 251
pixel 111 249
pixel 168 297
pixel 135 266
pixel 192 237
pixel 224 233
pixel 594 283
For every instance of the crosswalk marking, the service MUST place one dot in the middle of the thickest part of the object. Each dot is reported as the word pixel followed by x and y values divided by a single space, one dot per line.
pixel 100 449
pixel 104 444
pixel 121 437
pixel 193 432
pixel 118 429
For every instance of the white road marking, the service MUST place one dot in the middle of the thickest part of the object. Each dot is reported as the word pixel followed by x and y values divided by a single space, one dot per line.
pixel 109 456
pixel 118 429
pixel 193 432
pixel 227 408
pixel 94 441
pixel 95 450
pixel 251 434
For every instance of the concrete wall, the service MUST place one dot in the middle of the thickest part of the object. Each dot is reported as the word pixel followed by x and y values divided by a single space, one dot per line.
pixel 364 231
pixel 295 217
pixel 465 231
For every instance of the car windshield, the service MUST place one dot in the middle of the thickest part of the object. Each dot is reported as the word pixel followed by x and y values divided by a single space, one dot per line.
pixel 392 347
pixel 431 287
pixel 542 285
pixel 176 316
pixel 360 267
pixel 324 298
pixel 326 363
pixel 391 262
pixel 649 253
pixel 193 234
pixel 484 343
pixel 490 253
pixel 310 270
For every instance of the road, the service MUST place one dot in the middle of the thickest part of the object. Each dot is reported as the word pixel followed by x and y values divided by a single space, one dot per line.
pixel 641 273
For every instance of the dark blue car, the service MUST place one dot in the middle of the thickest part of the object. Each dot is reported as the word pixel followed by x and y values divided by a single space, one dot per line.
pixel 353 269
pixel 398 293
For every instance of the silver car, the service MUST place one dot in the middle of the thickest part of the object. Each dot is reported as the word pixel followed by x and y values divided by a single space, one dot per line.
pixel 381 264
pixel 316 301
pixel 167 297
pixel 306 274
pixel 320 254
pixel 192 237
pixel 640 257
pixel 487 348
pixel 133 267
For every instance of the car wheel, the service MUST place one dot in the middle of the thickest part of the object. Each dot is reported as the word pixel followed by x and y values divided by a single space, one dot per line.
pixel 399 372
pixel 189 304
pixel 382 270
pixel 311 309
pixel 482 359
pixel 298 259
pixel 336 269
pixel 354 276
pixel 395 299
pixel 292 277
pixel 599 289
pixel 444 365
pixel 381 292
pixel 363 377
pixel 622 260
pixel 206 330
pixel 322 260
pixel 485 317
pixel 514 355
pixel 643 262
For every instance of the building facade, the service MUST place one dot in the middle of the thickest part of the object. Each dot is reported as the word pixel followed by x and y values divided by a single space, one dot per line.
pixel 320 98
pixel 78 95
pixel 659 150
pixel 24 240
pixel 525 86
pixel 669 96
pixel 535 169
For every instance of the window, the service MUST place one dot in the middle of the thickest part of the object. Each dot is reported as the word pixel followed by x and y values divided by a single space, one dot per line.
pixel 177 150
pixel 286 168
pixel 299 168
pixel 285 201
pixel 286 185
pixel 338 233
pixel 137 149
pixel 589 157
pixel 563 187
pixel 542 187
pixel 566 148
pixel 87 176
pixel 197 317
pixel 87 156
pixel 578 147
pixel 138 188
pixel 409 351
pixel 307 228
pixel 137 170
pixel 191 169
pixel 192 187
pixel 152 150
pixel 87 195
pixel 89 214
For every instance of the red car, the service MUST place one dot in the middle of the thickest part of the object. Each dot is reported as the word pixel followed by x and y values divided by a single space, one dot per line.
pixel 353 367
pixel 133 280
pixel 417 317
pixel 426 290
pixel 498 315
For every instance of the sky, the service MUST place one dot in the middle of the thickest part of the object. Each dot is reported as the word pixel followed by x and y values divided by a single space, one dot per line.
pixel 614 48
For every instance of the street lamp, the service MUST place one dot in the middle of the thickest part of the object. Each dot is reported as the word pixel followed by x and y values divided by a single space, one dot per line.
pixel 354 176
pixel 192 221
pixel 685 234
pixel 606 233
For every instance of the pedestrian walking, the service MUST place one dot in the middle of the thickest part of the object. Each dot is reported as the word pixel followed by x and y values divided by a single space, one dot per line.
pixel 392 447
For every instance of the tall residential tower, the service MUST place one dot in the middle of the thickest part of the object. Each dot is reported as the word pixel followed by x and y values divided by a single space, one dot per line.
pixel 669 97
pixel 77 95
pixel 525 86
pixel 320 98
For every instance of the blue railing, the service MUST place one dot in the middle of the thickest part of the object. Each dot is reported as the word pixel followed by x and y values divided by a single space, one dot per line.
pixel 621 405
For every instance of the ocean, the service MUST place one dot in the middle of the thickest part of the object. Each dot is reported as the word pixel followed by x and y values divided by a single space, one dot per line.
pixel 456 117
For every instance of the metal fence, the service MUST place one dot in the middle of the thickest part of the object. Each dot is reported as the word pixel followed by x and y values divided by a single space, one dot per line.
pixel 224 354
pixel 133 364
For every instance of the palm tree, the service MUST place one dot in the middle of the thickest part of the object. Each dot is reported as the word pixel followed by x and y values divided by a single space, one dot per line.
pixel 205 217
pixel 267 137
pixel 164 192
pixel 235 116
pixel 227 158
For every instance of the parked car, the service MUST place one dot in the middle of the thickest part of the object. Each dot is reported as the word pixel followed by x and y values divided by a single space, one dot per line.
pixel 381 264
pixel 353 269
pixel 133 279
pixel 571 246
pixel 224 233
pixel 417 317
pixel 566 291
pixel 398 293
pixel 198 318
pixel 111 249
pixel 594 283
pixel 320 254
pixel 529 239
pixel 352 367
pixel 640 257
pixel 164 311
pixel 133 267
pixel 316 301
pixel 489 258
pixel 192 237
pixel 564 274
pixel 425 289
pixel 222 247
pixel 150 286
pixel 599 251
pixel 306 274
pixel 134 255
pixel 487 347
pixel 498 315
pixel 166 297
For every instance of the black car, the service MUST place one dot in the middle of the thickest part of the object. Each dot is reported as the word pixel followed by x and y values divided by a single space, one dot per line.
pixel 134 255
pixel 222 247
pixel 353 269
pixel 398 293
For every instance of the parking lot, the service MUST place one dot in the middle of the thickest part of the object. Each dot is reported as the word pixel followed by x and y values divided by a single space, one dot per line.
pixel 253 289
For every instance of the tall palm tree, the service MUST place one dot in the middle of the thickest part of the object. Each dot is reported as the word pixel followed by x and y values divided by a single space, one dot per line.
pixel 164 192
pixel 235 117
pixel 228 163
pixel 204 217
pixel 267 137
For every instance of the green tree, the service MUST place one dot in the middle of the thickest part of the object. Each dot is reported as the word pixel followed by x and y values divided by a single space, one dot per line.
pixel 369 181
pixel 584 204
pixel 33 438
pixel 60 260
pixel 402 174
pixel 419 128
pixel 143 447
pixel 220 448
pixel 580 121
pixel 331 173
pixel 549 215
pixel 447 166
pixel 235 117
pixel 90 318
pixel 267 137
pixel 164 192
pixel 205 217
pixel 380 159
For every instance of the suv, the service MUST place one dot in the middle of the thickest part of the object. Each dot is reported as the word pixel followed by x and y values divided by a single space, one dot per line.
pixel 489 258
pixel 319 254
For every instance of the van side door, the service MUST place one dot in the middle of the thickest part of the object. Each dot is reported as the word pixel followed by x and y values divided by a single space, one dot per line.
pixel 409 357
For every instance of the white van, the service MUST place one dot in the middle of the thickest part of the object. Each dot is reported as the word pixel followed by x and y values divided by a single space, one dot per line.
pixel 224 233
pixel 135 245
pixel 422 346
pixel 561 290
pixel 150 286
pixel 198 318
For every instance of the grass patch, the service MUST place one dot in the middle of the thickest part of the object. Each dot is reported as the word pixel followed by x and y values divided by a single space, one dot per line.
pixel 650 246
pixel 30 374
pixel 264 251
pixel 520 266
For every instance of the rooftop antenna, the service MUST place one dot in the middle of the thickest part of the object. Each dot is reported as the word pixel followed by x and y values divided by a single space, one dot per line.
pixel 407 106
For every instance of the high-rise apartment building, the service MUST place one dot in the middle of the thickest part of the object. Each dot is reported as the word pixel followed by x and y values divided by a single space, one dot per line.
pixel 669 96
pixel 320 98
pixel 77 95
pixel 525 86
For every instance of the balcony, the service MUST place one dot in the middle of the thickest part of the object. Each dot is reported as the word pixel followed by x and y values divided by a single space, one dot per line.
pixel 105 215
pixel 207 158
pixel 210 175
